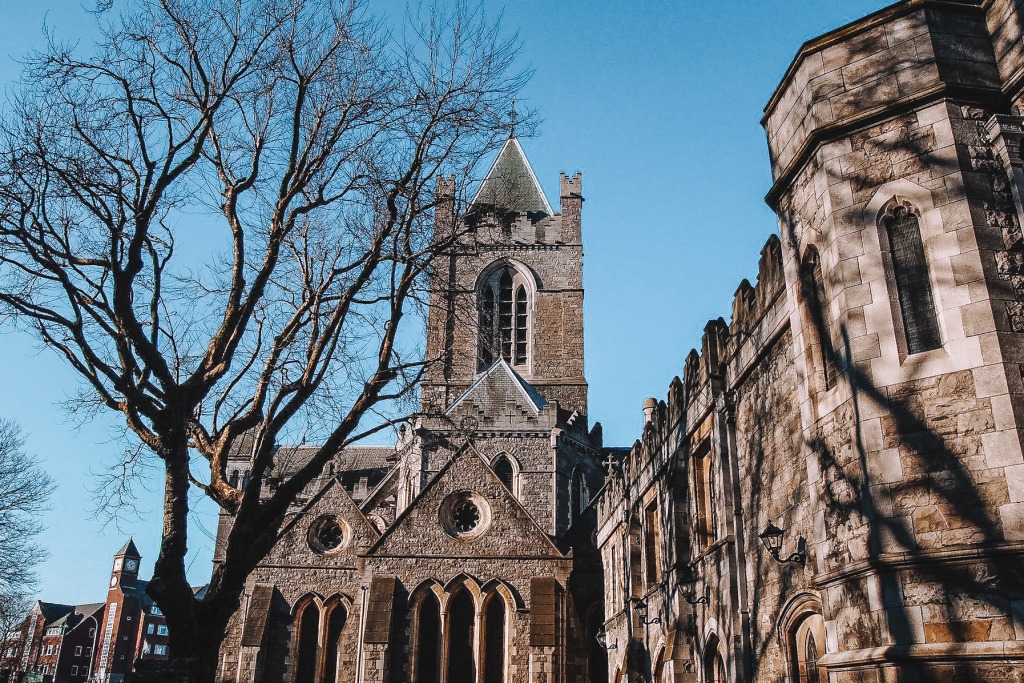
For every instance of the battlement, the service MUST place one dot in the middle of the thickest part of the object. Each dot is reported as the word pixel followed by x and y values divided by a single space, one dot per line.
pixel 570 187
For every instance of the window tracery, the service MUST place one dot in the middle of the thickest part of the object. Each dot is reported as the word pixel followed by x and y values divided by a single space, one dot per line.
pixel 503 303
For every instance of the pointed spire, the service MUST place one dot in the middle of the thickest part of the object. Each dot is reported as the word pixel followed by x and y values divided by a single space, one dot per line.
pixel 129 550
pixel 511 184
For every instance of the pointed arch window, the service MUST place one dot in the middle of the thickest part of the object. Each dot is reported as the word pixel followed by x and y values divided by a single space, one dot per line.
pixel 579 496
pixel 506 471
pixel 428 640
pixel 307 646
pixel 907 272
pixel 461 618
pixel 333 649
pixel 503 317
pixel 816 302
pixel 494 640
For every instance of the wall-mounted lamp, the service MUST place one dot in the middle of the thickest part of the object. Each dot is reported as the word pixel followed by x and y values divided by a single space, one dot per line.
pixel 640 605
pixel 691 597
pixel 602 639
pixel 772 539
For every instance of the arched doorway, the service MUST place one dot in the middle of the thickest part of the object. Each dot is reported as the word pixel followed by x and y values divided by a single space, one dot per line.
pixel 714 662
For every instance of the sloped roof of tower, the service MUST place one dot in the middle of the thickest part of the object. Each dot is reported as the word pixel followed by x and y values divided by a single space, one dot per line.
pixel 129 550
pixel 490 388
pixel 511 183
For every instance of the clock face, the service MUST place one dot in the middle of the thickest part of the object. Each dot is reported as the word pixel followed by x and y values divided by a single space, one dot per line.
pixel 131 565
pixel 117 563
pixel 113 581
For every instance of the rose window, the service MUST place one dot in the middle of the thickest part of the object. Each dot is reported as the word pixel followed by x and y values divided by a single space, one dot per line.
pixel 327 534
pixel 465 514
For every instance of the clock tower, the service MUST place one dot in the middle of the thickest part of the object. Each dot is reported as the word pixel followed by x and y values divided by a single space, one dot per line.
pixel 126 565
pixel 122 619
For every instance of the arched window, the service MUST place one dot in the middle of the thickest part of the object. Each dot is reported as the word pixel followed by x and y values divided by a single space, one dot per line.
pixel 428 640
pixel 816 301
pixel 307 630
pixel 503 302
pixel 461 613
pixel 506 472
pixel 578 495
pixel 233 479
pixel 494 640
pixel 903 253
pixel 245 479
pixel 335 623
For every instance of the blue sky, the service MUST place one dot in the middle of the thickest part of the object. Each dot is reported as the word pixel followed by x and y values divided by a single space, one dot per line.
pixel 658 103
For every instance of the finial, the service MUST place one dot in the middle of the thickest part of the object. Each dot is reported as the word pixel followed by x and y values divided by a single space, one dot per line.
pixel 512 116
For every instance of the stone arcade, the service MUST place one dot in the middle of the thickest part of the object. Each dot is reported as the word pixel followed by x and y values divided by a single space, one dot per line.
pixel 833 490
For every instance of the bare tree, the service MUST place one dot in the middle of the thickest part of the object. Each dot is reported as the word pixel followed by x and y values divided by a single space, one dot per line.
pixel 221 219
pixel 24 494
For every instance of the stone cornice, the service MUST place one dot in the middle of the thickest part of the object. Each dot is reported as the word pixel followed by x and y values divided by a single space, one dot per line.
pixel 986 97
pixel 854 28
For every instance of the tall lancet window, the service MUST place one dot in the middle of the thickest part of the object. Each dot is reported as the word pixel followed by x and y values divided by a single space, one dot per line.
pixel 905 259
pixel 503 301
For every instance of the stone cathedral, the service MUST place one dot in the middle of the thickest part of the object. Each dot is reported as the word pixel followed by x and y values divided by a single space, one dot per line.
pixel 456 555
pixel 832 489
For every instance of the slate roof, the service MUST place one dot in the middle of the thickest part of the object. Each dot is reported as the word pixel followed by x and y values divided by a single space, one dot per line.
pixel 511 183
pixel 129 550
pixel 350 459
pixel 54 611
pixel 490 392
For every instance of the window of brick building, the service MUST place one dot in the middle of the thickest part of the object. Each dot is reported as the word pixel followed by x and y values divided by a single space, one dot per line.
pixel 907 272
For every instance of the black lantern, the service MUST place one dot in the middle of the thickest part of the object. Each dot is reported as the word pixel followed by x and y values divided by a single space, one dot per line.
pixel 640 605
pixel 772 539
pixel 602 639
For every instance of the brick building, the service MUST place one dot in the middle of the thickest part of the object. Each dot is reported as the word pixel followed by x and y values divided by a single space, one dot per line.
pixel 98 642
pixel 832 490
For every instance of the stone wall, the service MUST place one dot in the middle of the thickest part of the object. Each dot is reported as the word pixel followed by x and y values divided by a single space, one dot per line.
pixel 899 483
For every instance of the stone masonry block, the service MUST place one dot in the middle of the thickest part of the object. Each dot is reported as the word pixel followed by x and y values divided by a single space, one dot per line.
pixel 1012 517
pixel 1002 449
pixel 1015 482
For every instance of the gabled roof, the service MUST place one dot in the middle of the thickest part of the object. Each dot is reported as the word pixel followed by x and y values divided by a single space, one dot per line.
pixel 513 531
pixel 53 611
pixel 511 183
pixel 492 388
pixel 129 550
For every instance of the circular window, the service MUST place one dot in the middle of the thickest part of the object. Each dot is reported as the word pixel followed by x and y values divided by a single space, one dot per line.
pixel 328 534
pixel 465 514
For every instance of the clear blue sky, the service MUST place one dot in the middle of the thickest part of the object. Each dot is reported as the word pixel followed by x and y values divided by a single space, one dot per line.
pixel 658 103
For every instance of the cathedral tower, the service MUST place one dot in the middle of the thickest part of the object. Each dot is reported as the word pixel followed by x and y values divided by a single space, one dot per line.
pixel 511 288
